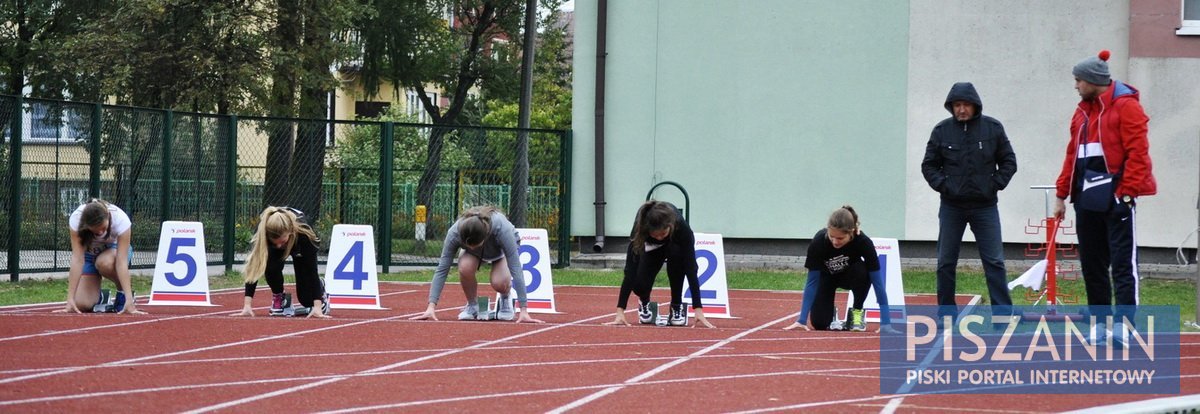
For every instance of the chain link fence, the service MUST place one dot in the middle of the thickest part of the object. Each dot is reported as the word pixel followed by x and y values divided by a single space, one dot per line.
pixel 223 170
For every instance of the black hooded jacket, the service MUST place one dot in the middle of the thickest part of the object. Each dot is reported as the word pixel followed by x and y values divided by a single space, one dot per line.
pixel 968 162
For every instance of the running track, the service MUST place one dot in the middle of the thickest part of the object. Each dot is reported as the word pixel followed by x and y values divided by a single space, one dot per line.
pixel 199 360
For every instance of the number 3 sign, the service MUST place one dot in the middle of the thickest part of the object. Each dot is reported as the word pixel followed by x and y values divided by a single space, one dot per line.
pixel 714 287
pixel 181 270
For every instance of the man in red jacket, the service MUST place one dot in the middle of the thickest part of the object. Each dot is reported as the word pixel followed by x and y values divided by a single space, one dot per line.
pixel 1106 169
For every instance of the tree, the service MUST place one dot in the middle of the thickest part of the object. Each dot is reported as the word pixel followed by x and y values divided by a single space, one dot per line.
pixel 454 58
pixel 30 35
pixel 308 38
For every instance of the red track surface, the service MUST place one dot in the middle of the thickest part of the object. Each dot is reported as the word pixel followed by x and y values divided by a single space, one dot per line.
pixel 199 359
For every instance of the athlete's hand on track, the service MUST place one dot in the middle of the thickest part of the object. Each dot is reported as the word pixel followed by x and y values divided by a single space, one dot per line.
pixel 795 325
pixel 526 318
pixel 247 311
pixel 619 319
pixel 429 314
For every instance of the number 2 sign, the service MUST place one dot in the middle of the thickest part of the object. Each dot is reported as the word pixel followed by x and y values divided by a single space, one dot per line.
pixel 714 286
pixel 181 269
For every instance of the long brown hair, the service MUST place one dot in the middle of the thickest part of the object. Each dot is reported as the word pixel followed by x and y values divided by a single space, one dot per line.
pixel 475 225
pixel 845 219
pixel 273 223
pixel 652 215
pixel 95 211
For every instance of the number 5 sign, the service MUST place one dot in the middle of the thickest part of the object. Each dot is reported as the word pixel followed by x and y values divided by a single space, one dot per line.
pixel 714 287
pixel 350 276
pixel 181 270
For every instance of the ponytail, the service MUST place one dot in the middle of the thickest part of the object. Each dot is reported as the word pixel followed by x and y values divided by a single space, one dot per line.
pixel 652 215
pixel 273 223
pixel 475 225
pixel 845 219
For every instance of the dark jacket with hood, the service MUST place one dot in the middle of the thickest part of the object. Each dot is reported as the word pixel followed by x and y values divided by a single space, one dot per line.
pixel 968 162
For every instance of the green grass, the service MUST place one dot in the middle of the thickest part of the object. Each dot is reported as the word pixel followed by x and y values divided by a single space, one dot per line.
pixel 1153 291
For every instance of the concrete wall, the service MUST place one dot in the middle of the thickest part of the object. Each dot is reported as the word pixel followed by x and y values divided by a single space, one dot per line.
pixel 772 113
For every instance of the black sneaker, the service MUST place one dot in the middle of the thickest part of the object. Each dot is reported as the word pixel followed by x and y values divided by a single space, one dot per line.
pixel 645 314
pixel 678 316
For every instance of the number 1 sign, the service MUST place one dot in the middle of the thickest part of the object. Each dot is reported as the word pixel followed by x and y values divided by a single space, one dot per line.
pixel 181 270
pixel 714 286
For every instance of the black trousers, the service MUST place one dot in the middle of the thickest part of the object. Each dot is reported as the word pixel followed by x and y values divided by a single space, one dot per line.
pixel 309 285
pixel 855 279
pixel 642 269
pixel 1107 241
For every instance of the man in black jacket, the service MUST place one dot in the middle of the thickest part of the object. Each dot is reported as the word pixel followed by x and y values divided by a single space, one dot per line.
pixel 968 160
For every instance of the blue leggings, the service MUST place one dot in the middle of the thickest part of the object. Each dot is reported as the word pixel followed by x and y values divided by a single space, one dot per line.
pixel 814 281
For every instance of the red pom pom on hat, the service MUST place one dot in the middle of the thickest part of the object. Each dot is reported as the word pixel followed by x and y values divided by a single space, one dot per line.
pixel 1104 54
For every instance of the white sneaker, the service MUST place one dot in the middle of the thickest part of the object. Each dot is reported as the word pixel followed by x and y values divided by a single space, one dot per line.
pixel 678 316
pixel 1098 334
pixel 1120 336
pixel 645 314
pixel 469 312
pixel 504 309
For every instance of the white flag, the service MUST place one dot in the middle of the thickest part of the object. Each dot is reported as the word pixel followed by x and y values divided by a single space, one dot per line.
pixel 1032 278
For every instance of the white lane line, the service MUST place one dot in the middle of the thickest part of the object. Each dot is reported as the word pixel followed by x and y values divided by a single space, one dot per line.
pixel 140 322
pixel 589 387
pixel 50 399
pixel 599 394
pixel 385 367
pixel 202 349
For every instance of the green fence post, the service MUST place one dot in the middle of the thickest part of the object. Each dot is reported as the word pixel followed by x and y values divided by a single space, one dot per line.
pixel 385 194
pixel 94 151
pixel 230 191
pixel 564 200
pixel 14 176
pixel 164 198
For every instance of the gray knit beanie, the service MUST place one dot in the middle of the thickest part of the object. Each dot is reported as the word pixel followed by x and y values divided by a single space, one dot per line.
pixel 1094 69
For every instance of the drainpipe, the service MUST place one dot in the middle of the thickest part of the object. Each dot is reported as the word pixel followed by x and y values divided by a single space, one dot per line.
pixel 601 53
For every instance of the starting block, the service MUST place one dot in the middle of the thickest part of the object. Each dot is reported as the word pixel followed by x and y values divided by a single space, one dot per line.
pixel 485 311
pixel 106 304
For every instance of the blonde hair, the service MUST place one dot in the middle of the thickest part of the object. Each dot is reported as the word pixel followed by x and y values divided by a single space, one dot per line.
pixel 475 225
pixel 273 223
pixel 845 219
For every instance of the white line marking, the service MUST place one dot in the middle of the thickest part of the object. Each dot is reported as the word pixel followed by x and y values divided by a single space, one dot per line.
pixel 384 368
pixel 140 322
pixel 595 396
pixel 207 348
pixel 892 405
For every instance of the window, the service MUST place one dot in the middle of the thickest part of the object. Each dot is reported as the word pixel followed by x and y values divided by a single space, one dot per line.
pixel 1191 18
pixel 416 108
pixel 48 124
pixel 368 109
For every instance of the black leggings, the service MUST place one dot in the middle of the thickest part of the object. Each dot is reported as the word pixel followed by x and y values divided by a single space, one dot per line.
pixel 642 269
pixel 855 278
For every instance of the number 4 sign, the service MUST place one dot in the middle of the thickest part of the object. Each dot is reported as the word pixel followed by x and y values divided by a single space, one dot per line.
pixel 181 270
pixel 714 286
pixel 350 276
